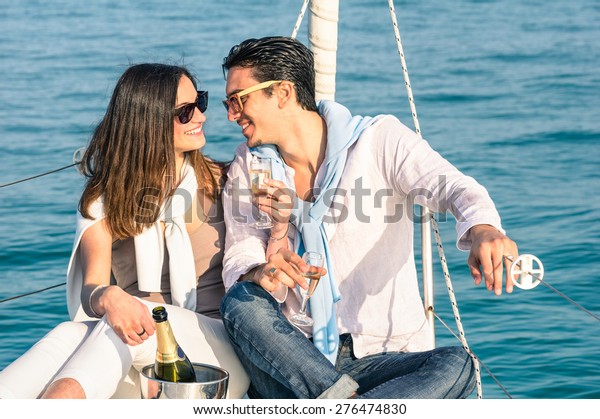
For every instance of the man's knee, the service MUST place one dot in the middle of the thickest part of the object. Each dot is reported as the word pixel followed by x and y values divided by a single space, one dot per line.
pixel 464 370
pixel 242 300
pixel 467 360
pixel 457 353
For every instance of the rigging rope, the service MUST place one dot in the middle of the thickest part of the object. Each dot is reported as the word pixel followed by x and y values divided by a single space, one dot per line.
pixel 37 176
pixel 300 17
pixel 568 299
pixel 77 157
pixel 539 278
pixel 32 292
pixel 463 338
pixel 473 355
pixel 411 99
pixel 426 213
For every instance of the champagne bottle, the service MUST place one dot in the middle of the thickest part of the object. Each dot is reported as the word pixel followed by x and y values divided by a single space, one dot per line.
pixel 171 362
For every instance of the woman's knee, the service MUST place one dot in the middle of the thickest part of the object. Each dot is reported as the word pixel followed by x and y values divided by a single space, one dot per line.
pixel 72 328
pixel 69 333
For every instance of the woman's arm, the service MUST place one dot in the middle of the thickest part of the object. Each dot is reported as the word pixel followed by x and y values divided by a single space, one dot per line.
pixel 129 318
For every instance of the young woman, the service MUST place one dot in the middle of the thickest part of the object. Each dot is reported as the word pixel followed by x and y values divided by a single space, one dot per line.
pixel 150 231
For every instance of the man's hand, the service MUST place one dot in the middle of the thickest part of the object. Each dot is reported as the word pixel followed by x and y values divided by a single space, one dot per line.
pixel 284 267
pixel 490 250
pixel 276 199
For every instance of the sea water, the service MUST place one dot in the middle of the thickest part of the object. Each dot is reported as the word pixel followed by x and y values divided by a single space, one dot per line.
pixel 508 91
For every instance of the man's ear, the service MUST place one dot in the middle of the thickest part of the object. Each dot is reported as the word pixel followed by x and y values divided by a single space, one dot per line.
pixel 286 93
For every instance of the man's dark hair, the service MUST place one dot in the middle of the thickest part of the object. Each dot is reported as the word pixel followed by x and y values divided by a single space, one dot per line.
pixel 277 58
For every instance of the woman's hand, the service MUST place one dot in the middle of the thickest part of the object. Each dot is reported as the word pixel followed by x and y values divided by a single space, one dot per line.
pixel 130 319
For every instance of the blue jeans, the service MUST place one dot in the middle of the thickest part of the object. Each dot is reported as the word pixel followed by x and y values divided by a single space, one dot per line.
pixel 284 364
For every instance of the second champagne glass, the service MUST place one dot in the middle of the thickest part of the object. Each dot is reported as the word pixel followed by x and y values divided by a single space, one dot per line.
pixel 260 170
pixel 314 260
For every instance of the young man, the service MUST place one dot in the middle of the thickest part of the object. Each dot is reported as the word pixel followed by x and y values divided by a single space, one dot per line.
pixel 353 181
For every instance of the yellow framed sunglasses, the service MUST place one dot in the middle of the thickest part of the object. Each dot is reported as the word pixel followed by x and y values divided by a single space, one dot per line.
pixel 234 102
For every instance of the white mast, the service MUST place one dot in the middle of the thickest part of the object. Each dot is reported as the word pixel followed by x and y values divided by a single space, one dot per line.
pixel 323 36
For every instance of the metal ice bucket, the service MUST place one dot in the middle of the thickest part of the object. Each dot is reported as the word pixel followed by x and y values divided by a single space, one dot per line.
pixel 211 383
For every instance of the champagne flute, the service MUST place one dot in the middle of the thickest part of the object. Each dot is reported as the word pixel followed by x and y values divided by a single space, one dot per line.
pixel 260 169
pixel 314 260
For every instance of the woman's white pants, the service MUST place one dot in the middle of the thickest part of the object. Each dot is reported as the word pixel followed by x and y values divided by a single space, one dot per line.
pixel 93 354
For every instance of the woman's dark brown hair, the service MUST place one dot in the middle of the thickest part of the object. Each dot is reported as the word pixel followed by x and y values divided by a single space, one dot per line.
pixel 131 158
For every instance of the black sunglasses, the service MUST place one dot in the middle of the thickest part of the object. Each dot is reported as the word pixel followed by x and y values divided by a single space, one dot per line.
pixel 186 112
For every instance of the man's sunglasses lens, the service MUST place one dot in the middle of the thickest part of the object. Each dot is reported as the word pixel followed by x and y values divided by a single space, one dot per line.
pixel 233 104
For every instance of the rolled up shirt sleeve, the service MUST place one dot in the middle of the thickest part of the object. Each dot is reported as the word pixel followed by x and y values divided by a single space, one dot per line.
pixel 416 170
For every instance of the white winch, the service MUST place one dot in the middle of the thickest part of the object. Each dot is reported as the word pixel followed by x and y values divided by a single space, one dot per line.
pixel 526 271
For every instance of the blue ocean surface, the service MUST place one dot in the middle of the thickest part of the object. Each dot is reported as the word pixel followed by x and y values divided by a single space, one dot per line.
pixel 508 91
